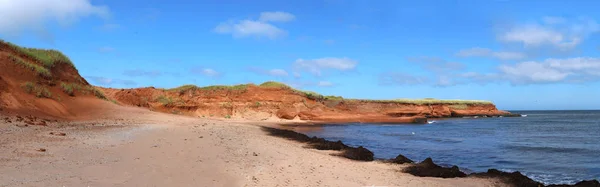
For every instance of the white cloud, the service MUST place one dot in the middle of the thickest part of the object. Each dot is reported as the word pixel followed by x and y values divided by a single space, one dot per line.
pixel 552 70
pixel 474 52
pixel 324 84
pixel 206 72
pixel 557 32
pixel 396 78
pixel 276 17
pixel 575 64
pixel 247 28
pixel 278 73
pixel 316 66
pixel 485 52
pixel 109 81
pixel 532 72
pixel 22 15
pixel 504 55
pixel 257 28
pixel 209 72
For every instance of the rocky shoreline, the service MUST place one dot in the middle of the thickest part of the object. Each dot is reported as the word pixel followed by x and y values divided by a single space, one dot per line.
pixel 426 168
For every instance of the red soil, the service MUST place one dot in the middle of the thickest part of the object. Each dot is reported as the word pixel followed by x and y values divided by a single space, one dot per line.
pixel 251 102
pixel 261 103
pixel 15 100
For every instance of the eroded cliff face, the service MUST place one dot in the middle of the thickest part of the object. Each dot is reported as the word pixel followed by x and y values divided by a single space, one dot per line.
pixel 261 103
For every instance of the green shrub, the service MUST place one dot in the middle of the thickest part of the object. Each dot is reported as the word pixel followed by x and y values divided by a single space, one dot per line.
pixel 69 89
pixel 459 106
pixel 49 58
pixel 166 101
pixel 40 70
pixel 36 89
pixel 28 87
pixel 273 84
pixel 98 93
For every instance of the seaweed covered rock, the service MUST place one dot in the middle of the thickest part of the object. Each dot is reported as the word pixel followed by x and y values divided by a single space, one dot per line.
pixel 401 159
pixel 354 153
pixel 514 178
pixel 359 153
pixel 429 169
pixel 590 183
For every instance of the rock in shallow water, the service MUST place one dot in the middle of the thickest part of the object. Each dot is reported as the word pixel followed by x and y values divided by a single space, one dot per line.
pixel 429 169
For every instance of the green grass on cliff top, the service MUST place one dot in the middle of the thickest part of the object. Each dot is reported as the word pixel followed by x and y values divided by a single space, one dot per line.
pixel 214 87
pixel 317 96
pixel 48 57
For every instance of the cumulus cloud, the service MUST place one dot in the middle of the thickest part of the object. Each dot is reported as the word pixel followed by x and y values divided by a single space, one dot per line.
pixel 317 66
pixel 485 52
pixel 141 73
pixel 532 72
pixel 269 72
pixel 396 78
pixel 436 64
pixel 276 17
pixel 97 80
pixel 206 72
pixel 554 31
pixel 262 27
pixel 552 70
pixel 324 84
pixel 23 15
pixel 277 73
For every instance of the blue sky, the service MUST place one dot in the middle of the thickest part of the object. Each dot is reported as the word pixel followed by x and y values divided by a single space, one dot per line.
pixel 518 54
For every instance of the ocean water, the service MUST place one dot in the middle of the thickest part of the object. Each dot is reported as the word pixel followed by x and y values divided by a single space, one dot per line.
pixel 547 146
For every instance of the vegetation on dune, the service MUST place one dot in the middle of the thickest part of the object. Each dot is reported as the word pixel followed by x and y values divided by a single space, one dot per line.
pixel 459 106
pixel 430 101
pixel 456 104
pixel 36 89
pixel 71 88
pixel 40 70
pixel 189 87
pixel 166 101
pixel 48 57
pixel 273 84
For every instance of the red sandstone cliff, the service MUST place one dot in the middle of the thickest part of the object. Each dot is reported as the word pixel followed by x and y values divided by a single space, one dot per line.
pixel 264 102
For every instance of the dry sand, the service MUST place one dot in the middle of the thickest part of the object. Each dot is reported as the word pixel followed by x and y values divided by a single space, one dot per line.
pixel 136 147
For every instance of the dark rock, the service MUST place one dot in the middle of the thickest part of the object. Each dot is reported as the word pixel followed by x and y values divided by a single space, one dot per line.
pixel 41 150
pixel 58 133
pixel 514 178
pixel 353 153
pixel 421 120
pixel 429 169
pixel 322 144
pixel 591 183
pixel 401 159
pixel 359 153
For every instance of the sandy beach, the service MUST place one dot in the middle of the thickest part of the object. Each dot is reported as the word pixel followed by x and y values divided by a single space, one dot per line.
pixel 136 147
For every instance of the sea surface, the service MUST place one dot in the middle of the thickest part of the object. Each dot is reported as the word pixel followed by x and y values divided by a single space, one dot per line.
pixel 548 146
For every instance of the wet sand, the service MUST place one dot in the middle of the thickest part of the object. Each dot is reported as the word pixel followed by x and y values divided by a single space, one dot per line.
pixel 136 147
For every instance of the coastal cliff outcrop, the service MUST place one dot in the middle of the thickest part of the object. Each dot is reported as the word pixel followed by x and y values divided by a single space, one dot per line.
pixel 275 100
pixel 46 83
